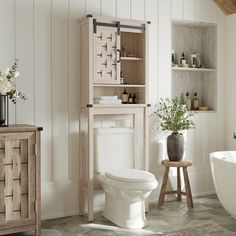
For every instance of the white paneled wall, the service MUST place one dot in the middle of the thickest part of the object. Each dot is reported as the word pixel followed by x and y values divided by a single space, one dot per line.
pixel 43 82
pixel 209 134
pixel 230 82
pixel 137 10
pixel 44 35
pixel 24 50
pixel 123 8
pixel 7 45
pixel 108 8
pixel 189 9
pixel 177 9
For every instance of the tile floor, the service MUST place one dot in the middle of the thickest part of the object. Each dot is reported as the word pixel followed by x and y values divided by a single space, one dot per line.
pixel 173 216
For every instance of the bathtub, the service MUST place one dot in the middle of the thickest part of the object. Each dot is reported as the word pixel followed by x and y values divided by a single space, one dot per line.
pixel 223 167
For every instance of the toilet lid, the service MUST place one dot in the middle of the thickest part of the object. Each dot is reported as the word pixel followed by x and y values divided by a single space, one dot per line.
pixel 131 175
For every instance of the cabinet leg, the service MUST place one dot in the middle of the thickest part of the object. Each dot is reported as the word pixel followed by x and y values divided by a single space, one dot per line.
pixel 81 202
pixel 90 202
pixel 188 189
pixel 37 231
pixel 163 187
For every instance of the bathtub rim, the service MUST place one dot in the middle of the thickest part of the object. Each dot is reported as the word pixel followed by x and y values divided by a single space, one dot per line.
pixel 216 155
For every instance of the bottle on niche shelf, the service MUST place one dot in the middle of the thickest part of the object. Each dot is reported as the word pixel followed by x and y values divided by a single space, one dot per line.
pixel 124 97
pixel 130 100
pixel 188 101
pixel 182 101
pixel 195 102
pixel 121 78
pixel 134 99
pixel 182 60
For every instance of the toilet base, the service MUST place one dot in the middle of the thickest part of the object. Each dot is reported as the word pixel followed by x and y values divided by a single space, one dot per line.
pixel 126 214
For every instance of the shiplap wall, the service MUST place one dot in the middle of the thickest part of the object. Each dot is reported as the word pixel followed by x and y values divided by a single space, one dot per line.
pixel 209 134
pixel 44 35
pixel 230 82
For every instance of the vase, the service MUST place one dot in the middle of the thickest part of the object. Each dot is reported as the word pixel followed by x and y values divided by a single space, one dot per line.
pixel 175 147
pixel 4 110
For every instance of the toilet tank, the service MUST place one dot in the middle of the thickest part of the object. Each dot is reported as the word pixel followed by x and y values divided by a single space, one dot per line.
pixel 113 149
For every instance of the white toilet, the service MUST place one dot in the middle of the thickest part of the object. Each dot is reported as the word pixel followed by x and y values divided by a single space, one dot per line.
pixel 125 188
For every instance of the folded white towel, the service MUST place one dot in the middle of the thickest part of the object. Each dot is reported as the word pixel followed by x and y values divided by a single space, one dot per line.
pixel 106 98
pixel 117 101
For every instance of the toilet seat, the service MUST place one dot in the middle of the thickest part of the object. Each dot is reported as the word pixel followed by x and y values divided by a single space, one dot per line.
pixel 131 176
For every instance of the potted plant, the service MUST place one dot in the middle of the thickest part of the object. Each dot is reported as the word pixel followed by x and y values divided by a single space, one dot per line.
pixel 173 116
pixel 8 90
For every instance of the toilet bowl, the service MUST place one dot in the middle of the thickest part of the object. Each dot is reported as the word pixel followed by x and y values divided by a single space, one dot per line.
pixel 125 194
pixel 125 188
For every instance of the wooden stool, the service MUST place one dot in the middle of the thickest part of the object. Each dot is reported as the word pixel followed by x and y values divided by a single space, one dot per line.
pixel 184 164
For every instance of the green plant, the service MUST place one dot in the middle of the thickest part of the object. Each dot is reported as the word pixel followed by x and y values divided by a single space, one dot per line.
pixel 173 116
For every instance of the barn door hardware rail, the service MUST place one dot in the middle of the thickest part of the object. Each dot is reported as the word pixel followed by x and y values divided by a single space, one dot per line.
pixel 115 25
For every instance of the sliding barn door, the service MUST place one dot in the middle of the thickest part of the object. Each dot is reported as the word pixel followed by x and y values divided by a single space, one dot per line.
pixel 106 55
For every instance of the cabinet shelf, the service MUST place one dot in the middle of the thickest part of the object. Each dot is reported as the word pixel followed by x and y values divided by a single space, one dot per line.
pixel 118 105
pixel 121 85
pixel 193 69
pixel 131 59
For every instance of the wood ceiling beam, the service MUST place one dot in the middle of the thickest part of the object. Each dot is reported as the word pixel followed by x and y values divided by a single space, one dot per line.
pixel 227 6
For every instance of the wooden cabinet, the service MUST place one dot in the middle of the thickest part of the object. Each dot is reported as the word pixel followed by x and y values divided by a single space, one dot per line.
pixel 19 179
pixel 109 46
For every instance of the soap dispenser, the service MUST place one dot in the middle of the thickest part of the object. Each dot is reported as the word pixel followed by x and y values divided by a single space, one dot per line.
pixel 195 102
pixel 188 101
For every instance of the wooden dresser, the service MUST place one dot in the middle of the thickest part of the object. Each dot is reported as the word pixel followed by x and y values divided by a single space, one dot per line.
pixel 19 179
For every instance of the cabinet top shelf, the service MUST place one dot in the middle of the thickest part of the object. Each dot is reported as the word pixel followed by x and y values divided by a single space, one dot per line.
pixel 193 69
pixel 132 59
pixel 118 105
pixel 121 85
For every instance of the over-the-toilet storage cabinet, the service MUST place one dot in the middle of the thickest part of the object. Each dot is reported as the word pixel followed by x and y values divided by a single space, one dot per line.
pixel 102 59
pixel 19 179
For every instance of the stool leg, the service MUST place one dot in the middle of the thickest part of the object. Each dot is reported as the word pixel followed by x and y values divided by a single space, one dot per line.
pixel 178 184
pixel 188 189
pixel 163 187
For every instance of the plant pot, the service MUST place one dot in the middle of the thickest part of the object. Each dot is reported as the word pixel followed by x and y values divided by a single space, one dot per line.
pixel 175 146
pixel 3 110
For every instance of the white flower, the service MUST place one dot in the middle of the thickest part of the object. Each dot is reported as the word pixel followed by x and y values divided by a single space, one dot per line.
pixel 16 94
pixel 16 74
pixel 7 71
pixel 5 86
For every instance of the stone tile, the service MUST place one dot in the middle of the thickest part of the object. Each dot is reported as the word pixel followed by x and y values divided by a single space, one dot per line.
pixel 173 216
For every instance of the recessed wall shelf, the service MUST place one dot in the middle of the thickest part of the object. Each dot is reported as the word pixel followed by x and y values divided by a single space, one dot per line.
pixel 193 69
pixel 194 38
